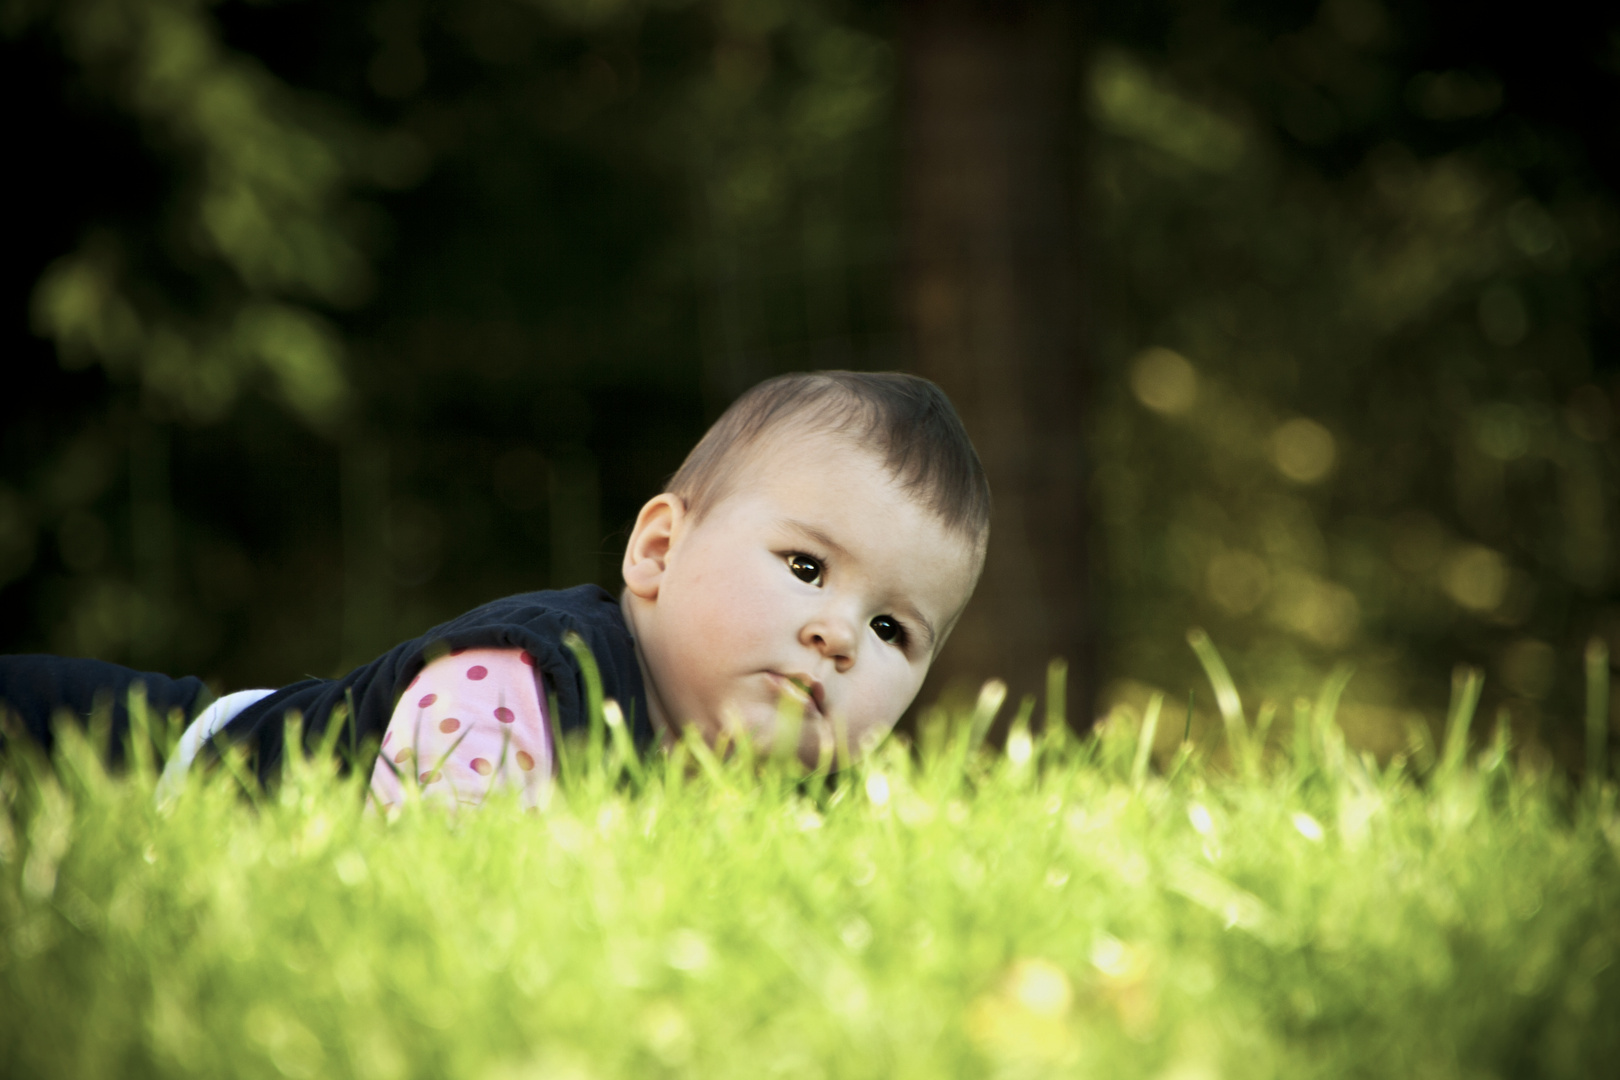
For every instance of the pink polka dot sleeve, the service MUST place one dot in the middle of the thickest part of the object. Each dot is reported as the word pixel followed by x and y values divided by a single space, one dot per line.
pixel 471 722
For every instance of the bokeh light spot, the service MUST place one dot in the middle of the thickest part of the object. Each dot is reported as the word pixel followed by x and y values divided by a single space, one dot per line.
pixel 1164 381
pixel 1303 450
pixel 1238 581
pixel 1476 578
pixel 1041 987
pixel 1326 613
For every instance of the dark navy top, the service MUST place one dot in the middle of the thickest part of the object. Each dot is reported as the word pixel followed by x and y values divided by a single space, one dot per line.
pixel 36 687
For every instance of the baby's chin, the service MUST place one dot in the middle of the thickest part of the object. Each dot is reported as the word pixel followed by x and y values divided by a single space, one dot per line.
pixel 762 728
pixel 820 742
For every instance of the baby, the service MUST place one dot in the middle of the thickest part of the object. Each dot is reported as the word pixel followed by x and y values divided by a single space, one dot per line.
pixel 809 559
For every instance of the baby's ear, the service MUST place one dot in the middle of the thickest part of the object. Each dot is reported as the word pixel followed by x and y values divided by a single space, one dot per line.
pixel 647 554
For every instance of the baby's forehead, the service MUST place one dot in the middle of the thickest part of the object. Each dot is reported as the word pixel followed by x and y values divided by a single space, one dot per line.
pixel 829 461
pixel 819 470
pixel 831 454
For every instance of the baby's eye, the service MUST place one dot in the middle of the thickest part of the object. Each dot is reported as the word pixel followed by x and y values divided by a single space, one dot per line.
pixel 887 628
pixel 806 568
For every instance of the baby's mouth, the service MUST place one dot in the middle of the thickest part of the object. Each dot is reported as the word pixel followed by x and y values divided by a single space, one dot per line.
pixel 803 689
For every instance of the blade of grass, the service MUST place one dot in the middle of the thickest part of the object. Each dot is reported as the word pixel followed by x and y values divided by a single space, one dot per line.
pixel 841 755
pixel 1597 713
pixel 234 759
pixel 139 739
pixel 438 764
pixel 293 761
pixel 1144 741
pixel 736 744
pixel 500 763
pixel 597 742
pixel 1324 717
pixel 694 744
pixel 991 696
pixel 391 767
pixel 1304 755
pixel 1226 696
pixel 966 738
pixel 784 754
pixel 566 771
pixel 1057 689
pixel 1495 758
pixel 354 729
pixel 676 760
pixel 1466 684
pixel 1020 746
pixel 1262 725
pixel 336 721
pixel 613 716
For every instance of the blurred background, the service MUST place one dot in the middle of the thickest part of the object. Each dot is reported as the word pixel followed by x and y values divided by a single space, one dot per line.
pixel 1296 321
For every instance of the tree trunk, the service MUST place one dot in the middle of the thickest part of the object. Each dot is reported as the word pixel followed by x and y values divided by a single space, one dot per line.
pixel 993 298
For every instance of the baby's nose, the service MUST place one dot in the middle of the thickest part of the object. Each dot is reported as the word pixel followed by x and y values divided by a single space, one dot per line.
pixel 833 636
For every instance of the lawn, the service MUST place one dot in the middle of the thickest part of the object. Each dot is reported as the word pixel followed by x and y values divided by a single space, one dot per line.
pixel 1272 906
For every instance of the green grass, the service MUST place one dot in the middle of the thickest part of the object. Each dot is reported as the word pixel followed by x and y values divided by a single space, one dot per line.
pixel 1066 909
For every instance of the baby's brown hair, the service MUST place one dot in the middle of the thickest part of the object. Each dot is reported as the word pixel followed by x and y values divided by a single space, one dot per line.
pixel 904 419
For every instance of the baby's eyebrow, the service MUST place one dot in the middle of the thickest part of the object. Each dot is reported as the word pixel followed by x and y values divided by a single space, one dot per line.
pixel 820 536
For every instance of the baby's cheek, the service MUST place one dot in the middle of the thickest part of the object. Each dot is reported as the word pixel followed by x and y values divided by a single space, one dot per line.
pixel 901 686
pixel 694 694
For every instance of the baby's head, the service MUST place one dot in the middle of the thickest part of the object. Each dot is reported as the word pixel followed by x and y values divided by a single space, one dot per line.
pixel 813 551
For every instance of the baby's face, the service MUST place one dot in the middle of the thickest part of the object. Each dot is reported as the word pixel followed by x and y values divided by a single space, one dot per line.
pixel 817 583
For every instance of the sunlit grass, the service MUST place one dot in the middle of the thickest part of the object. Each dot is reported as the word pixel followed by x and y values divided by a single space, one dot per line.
pixel 1064 908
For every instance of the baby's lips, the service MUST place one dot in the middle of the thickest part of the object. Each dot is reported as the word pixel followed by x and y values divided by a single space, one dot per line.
pixel 803 688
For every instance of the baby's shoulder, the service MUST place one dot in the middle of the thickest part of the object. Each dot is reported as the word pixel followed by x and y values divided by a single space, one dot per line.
pixel 583 603
pixel 540 623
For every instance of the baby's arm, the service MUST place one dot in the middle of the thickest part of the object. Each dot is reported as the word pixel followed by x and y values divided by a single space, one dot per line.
pixel 36 688
pixel 470 722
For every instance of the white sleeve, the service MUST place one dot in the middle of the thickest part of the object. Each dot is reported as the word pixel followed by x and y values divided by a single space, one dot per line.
pixel 211 721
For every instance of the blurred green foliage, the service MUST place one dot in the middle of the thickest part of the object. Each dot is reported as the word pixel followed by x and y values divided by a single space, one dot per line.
pixel 1350 404
pixel 366 312
pixel 258 215
pixel 408 305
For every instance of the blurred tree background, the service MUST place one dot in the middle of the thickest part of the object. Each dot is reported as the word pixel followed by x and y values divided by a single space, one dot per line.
pixel 1297 321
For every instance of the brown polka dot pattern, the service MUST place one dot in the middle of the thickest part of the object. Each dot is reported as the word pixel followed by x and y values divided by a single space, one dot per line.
pixel 472 725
